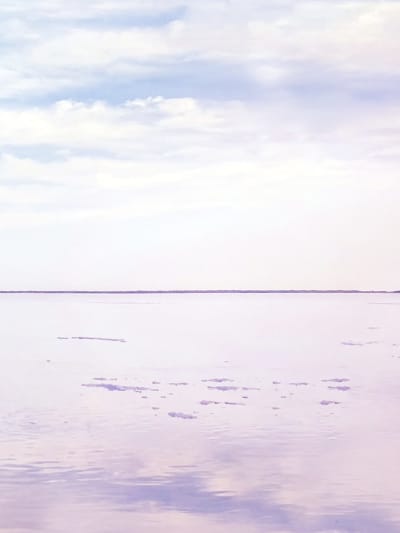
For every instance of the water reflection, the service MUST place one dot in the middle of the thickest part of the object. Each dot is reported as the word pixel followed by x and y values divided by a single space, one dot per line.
pixel 36 491
pixel 113 437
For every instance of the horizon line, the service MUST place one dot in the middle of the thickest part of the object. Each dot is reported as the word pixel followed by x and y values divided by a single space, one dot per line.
pixel 207 291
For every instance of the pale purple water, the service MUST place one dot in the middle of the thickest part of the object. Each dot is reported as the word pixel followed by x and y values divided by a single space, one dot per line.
pixel 191 413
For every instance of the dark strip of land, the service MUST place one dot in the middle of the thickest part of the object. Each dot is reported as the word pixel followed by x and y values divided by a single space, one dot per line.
pixel 218 291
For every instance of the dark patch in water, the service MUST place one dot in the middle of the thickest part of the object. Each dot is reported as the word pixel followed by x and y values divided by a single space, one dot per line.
pixel 182 415
pixel 276 383
pixel 156 383
pixel 105 379
pixel 335 380
pixel 212 402
pixel 218 380
pixel 92 339
pixel 179 384
pixel 250 388
pixel 119 388
pixel 340 387
pixel 299 384
pixel 107 386
pixel 275 408
pixel 329 402
pixel 224 388
pixel 351 343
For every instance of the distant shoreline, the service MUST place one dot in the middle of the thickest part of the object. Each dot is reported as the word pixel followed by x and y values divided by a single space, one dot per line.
pixel 217 291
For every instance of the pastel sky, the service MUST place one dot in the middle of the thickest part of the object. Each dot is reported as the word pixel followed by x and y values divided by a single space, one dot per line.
pixel 159 144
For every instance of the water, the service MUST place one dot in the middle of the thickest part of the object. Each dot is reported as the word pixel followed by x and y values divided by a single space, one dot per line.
pixel 192 413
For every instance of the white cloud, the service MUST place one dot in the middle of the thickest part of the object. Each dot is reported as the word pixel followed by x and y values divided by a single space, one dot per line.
pixel 275 44
pixel 166 128
pixel 137 128
pixel 357 36
pixel 154 155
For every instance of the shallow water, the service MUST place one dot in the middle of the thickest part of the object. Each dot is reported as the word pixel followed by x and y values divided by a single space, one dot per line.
pixel 192 413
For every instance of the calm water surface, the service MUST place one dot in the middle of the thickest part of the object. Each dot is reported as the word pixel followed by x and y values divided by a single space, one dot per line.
pixel 192 413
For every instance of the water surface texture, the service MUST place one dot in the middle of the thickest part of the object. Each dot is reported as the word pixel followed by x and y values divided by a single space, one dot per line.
pixel 191 413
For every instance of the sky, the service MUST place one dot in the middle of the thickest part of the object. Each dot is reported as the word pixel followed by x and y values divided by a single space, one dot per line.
pixel 166 144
